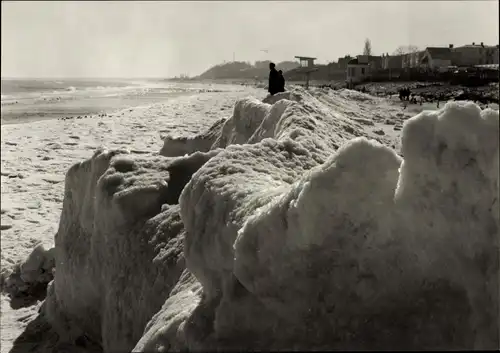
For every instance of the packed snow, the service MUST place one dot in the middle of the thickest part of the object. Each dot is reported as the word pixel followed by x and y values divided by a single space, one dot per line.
pixel 299 221
pixel 36 156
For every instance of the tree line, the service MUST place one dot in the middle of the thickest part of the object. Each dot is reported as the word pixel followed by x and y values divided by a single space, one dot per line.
pixel 403 49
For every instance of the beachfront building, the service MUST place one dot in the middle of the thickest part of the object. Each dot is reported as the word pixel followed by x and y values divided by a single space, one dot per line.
pixel 435 58
pixel 357 71
pixel 475 54
pixel 305 61
pixel 307 67
pixel 361 68
pixel 412 60
pixel 392 62
pixel 342 62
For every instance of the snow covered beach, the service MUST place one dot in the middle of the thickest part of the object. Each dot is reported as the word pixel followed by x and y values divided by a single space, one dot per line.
pixel 37 155
pixel 280 211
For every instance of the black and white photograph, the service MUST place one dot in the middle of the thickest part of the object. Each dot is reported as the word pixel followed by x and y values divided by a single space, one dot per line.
pixel 239 176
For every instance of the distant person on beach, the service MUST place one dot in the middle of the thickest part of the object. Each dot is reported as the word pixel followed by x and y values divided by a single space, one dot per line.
pixel 274 80
pixel 282 82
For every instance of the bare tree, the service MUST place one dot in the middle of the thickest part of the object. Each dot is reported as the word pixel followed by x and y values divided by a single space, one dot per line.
pixel 400 51
pixel 406 49
pixel 413 49
pixel 368 47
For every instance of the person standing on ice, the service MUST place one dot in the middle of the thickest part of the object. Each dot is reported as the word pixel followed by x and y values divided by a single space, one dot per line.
pixel 282 82
pixel 274 80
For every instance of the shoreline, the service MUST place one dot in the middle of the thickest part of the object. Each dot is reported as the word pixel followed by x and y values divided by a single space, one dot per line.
pixel 91 113
pixel 63 107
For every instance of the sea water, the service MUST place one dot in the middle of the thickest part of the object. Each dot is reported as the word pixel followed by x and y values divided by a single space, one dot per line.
pixel 26 100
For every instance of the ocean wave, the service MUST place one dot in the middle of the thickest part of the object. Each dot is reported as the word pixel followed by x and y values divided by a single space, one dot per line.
pixel 28 91
pixel 34 88
pixel 72 91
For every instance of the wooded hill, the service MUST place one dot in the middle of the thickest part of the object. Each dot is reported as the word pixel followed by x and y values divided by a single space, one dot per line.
pixel 244 70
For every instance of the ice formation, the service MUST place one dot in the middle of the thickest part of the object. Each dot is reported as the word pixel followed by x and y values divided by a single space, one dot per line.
pixel 182 145
pixel 283 229
pixel 27 282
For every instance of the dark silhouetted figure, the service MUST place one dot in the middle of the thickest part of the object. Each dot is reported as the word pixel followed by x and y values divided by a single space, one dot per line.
pixel 404 94
pixel 274 80
pixel 282 82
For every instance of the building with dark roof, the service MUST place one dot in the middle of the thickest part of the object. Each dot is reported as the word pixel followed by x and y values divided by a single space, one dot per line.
pixel 435 58
pixel 412 60
pixel 392 62
pixel 362 67
pixel 475 54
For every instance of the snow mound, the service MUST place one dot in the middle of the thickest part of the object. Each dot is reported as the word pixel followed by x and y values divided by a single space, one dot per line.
pixel 180 146
pixel 120 239
pixel 448 192
pixel 247 116
pixel 294 95
pixel 27 282
pixel 290 231
pixel 355 95
pixel 165 331
pixel 253 120
pixel 345 242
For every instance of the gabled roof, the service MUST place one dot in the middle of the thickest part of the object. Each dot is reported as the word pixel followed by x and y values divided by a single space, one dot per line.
pixel 439 53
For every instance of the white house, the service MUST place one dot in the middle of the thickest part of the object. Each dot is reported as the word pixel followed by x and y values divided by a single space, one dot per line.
pixel 360 68
pixel 436 58
pixel 356 71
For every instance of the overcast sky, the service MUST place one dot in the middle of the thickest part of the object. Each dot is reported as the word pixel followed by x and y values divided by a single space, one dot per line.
pixel 161 39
